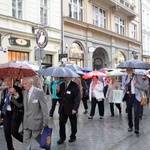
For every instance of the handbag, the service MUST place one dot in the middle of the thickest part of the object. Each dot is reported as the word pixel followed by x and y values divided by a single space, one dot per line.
pixel 45 141
pixel 144 98
pixel 99 95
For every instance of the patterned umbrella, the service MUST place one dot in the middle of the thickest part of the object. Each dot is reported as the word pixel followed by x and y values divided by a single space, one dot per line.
pixel 16 70
pixel 94 73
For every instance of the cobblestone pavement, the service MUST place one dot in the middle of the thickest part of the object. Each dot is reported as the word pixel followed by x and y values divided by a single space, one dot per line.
pixel 109 133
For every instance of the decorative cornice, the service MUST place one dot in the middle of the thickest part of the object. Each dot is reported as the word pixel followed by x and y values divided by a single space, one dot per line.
pixel 85 26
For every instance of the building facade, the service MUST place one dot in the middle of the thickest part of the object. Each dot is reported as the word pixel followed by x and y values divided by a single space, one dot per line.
pixel 146 30
pixel 20 22
pixel 101 33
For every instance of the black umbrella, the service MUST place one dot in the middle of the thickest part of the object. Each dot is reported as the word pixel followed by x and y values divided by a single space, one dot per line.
pixel 135 64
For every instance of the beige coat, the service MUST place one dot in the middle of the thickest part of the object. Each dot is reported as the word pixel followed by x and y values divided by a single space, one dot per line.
pixel 111 87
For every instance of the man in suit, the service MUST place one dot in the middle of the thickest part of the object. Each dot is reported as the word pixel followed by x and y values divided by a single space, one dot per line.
pixel 36 112
pixel 133 84
pixel 69 92
pixel 12 111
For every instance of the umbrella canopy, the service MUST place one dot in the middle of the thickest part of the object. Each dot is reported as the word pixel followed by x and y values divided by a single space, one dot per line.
pixel 58 72
pixel 73 67
pixel 135 64
pixel 94 73
pixel 115 72
pixel 30 64
pixel 140 71
pixel 104 70
pixel 85 69
pixel 16 70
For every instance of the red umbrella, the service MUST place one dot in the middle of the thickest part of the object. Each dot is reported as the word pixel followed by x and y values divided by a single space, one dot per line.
pixel 94 73
pixel 16 70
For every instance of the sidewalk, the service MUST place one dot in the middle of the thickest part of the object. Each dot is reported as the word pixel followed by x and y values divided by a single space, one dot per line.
pixel 109 133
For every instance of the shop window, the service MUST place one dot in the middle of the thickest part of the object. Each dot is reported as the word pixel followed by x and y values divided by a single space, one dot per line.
pixel 119 58
pixel 76 54
pixel 15 55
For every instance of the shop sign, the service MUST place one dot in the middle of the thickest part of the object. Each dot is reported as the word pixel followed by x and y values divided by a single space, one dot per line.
pixel 41 38
pixel 19 42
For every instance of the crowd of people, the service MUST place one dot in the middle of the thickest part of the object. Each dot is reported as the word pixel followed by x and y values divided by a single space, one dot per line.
pixel 24 103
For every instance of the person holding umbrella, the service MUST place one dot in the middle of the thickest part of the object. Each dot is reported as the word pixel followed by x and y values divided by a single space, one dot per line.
pixel 69 92
pixel 133 84
pixel 96 96
pixel 12 111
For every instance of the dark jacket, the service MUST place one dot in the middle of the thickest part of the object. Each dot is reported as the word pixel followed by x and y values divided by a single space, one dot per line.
pixel 70 98
pixel 16 104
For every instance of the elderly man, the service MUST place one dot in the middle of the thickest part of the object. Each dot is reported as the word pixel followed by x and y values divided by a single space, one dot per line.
pixel 36 112
pixel 133 84
pixel 69 92
pixel 12 111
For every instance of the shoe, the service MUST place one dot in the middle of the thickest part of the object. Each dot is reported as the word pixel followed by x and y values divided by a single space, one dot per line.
pixel 72 140
pixel 90 117
pixel 60 141
pixel 136 132
pixel 85 112
pixel 112 115
pixel 51 115
pixel 101 117
pixel 130 130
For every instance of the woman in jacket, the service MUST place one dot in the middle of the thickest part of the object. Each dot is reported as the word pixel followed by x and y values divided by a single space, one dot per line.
pixel 113 85
pixel 56 83
pixel 96 96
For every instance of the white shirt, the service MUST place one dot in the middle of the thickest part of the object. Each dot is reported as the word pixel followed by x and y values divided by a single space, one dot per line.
pixel 30 92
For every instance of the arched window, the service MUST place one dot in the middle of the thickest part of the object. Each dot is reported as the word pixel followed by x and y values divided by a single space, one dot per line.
pixel 76 54
pixel 119 58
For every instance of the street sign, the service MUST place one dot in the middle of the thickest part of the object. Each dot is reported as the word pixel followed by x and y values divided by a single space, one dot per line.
pixel 62 56
pixel 40 53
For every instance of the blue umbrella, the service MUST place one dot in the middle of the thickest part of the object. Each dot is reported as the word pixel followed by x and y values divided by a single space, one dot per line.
pixel 85 69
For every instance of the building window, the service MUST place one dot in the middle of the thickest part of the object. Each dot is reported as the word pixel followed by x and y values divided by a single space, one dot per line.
pixel 119 25
pixel 43 12
pixel 133 31
pixel 99 17
pixel 17 9
pixel 76 9
pixel 76 54
pixel 15 55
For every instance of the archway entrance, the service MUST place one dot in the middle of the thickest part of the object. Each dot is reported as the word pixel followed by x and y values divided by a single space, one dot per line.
pixel 100 58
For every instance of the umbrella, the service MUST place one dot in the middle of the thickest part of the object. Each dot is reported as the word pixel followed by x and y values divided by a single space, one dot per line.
pixel 140 71
pixel 30 64
pixel 16 70
pixel 85 69
pixel 73 67
pixel 58 72
pixel 94 73
pixel 135 64
pixel 104 70
pixel 115 72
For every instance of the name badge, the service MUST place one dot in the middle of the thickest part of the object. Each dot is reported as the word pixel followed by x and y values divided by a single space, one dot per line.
pixel 68 92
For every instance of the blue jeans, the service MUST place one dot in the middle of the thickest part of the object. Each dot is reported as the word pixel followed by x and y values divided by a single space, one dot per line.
pixel 132 102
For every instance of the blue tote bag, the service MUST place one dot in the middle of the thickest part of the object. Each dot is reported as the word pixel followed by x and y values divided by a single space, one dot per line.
pixel 46 138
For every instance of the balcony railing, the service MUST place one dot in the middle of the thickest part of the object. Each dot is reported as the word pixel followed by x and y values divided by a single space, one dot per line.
pixel 126 4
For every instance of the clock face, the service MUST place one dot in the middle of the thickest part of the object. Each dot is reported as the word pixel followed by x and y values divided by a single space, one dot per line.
pixel 21 41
